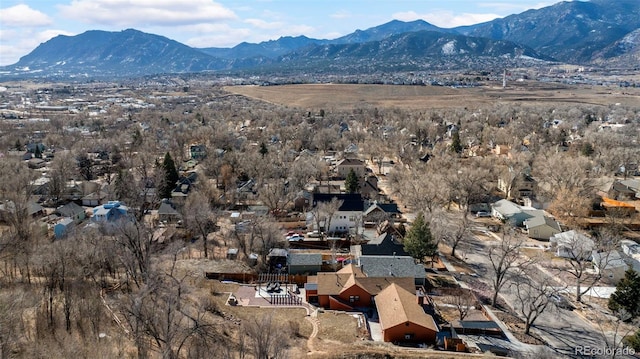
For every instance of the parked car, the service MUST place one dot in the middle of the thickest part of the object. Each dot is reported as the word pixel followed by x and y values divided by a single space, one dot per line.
pixel 314 234
pixel 296 238
pixel 290 233
pixel 561 302
pixel 480 214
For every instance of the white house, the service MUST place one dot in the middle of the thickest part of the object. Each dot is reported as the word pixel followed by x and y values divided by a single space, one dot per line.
pixel 609 264
pixel 346 219
pixel 572 245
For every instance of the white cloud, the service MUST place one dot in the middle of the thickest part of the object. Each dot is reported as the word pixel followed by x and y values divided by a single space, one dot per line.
pixel 146 12
pixel 264 25
pixel 23 42
pixel 446 19
pixel 23 16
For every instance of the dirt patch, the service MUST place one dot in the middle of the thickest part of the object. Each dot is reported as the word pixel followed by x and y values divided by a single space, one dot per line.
pixel 340 327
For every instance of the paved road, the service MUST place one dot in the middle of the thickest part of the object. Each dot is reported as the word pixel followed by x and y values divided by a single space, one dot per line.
pixel 565 331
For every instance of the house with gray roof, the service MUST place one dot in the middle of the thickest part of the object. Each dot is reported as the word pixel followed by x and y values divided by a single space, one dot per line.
pixel 541 226
pixel 71 210
pixel 392 266
pixel 301 263
pixel 572 245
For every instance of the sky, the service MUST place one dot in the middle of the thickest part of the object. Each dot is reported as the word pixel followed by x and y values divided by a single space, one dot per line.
pixel 24 24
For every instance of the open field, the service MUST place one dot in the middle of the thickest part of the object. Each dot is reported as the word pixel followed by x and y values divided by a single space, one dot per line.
pixel 335 96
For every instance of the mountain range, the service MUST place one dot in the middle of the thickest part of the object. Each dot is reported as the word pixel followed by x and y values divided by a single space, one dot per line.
pixel 597 33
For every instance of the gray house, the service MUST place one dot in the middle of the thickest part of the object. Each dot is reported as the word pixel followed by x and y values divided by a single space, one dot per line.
pixel 73 211
pixel 301 263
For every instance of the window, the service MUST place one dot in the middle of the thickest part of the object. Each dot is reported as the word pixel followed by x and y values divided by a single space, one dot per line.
pixel 408 336
pixel 354 298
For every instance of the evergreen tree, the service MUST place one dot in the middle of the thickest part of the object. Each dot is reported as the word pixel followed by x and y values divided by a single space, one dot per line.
pixel 170 176
pixel 419 242
pixel 627 294
pixel 37 152
pixel 351 183
pixel 456 145
pixel 633 341
pixel 263 149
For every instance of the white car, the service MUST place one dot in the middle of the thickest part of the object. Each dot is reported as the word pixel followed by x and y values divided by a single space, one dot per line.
pixel 296 238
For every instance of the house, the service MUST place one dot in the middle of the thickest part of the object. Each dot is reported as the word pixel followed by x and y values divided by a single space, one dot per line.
pixel 8 208
pixel 541 226
pixel 402 318
pixel 378 212
pixel 609 264
pixel 516 187
pixel 62 227
pixel 94 199
pixel 73 211
pixel 572 245
pixel 36 163
pixel 392 266
pixel 346 165
pixel 368 187
pixel 167 213
pixel 508 211
pixel 501 150
pixel 111 211
pixel 301 263
pixel 628 189
pixel 197 151
pixel 618 207
pixel 348 216
pixel 630 248
pixel 384 244
pixel 349 288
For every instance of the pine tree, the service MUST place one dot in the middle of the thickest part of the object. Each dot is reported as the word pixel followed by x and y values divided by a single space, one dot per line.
pixel 626 295
pixel 419 242
pixel 170 176
pixel 456 145
pixel 263 149
pixel 351 183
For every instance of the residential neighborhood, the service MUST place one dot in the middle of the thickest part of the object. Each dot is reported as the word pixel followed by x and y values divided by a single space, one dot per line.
pixel 373 218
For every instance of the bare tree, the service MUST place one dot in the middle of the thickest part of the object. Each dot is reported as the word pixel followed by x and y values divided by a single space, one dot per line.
pixel 268 339
pixel 160 312
pixel 578 260
pixel 134 244
pixel 199 217
pixel 533 298
pixel 323 213
pixel 503 258
pixel 460 233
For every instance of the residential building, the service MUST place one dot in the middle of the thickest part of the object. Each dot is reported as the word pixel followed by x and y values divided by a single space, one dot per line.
pixel 347 218
pixel 572 245
pixel 346 165
pixel 402 318
pixel 111 211
pixel 541 226
pixel 301 263
pixel 73 211
pixel 62 227
pixel 609 264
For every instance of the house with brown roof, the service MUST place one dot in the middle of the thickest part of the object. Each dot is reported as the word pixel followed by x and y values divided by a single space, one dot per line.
pixel 349 288
pixel 346 165
pixel 402 318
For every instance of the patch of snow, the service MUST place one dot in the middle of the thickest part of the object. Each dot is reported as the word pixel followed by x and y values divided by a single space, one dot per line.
pixel 449 48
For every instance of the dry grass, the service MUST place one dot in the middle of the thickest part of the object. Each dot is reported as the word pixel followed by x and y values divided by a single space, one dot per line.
pixel 334 96
pixel 339 327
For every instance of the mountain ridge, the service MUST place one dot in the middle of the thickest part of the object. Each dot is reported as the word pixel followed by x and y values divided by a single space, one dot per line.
pixel 598 32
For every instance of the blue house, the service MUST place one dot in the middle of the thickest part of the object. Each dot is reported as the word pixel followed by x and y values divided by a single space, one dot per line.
pixel 63 227
pixel 110 212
